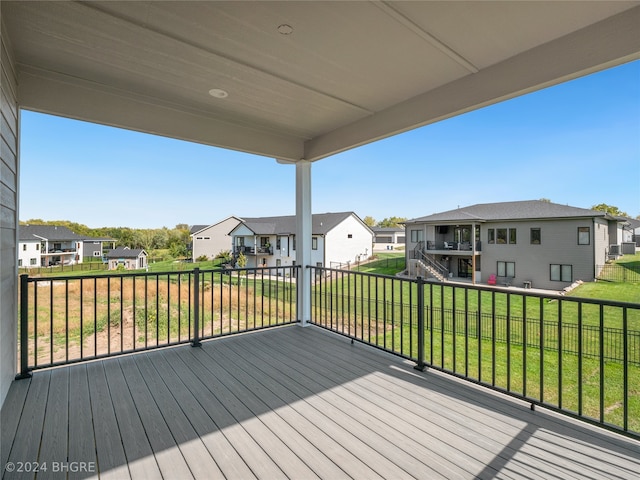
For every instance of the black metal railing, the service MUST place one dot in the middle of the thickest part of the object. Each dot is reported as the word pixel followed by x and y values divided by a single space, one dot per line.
pixel 70 319
pixel 576 356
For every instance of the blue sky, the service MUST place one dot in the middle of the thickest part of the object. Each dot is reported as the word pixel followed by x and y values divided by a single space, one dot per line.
pixel 577 143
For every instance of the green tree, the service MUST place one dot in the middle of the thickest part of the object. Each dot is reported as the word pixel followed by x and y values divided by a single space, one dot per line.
pixel 242 260
pixel 610 209
pixel 392 222
pixel 369 221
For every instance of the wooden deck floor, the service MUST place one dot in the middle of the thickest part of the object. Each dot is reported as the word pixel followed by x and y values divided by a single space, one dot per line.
pixel 289 403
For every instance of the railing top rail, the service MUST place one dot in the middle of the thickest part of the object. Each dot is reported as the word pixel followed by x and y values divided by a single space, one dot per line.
pixel 153 274
pixel 497 289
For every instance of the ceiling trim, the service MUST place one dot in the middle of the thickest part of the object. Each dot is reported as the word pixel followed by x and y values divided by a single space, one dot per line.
pixel 605 44
pixel 426 36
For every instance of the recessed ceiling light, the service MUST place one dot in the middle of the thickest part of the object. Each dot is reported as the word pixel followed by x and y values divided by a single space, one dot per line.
pixel 285 29
pixel 218 93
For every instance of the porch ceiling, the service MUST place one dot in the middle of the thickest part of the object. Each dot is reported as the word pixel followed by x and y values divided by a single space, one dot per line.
pixel 338 75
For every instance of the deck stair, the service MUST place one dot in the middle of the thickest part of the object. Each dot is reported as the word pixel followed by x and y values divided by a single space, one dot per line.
pixel 428 263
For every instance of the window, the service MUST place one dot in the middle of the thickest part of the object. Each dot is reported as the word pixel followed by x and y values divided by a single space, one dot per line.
pixel 264 242
pixel 491 236
pixel 416 236
pixel 512 235
pixel 319 264
pixel 33 261
pixel 198 238
pixel 207 238
pixel 349 235
pixel 37 246
pixel 241 241
pixel 584 234
pixel 19 262
pixel 506 269
pixel 278 262
pixel 535 236
pixel 278 243
pixel 294 243
pixel 502 235
pixel 561 273
pixel 314 243
pixel 97 253
pixel 24 247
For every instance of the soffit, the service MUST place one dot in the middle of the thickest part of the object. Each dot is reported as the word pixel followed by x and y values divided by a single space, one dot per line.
pixel 348 73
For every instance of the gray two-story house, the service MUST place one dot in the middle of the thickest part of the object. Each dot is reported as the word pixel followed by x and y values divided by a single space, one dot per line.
pixel 526 243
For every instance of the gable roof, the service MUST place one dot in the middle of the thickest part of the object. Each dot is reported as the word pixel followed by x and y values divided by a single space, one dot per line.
pixel 321 223
pixel 521 210
pixel 48 232
pixel 199 228
pixel 125 252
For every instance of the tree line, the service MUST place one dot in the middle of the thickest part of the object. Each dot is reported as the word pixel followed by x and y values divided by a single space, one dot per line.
pixel 176 240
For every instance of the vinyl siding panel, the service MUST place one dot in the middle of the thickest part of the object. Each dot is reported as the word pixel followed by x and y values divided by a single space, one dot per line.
pixel 8 217
pixel 218 240
pixel 559 245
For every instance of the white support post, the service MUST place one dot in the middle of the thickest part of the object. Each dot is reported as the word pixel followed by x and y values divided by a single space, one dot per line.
pixel 303 240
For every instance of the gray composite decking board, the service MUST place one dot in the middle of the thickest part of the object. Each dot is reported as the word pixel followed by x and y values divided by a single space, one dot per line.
pixel 26 445
pixel 577 469
pixel 10 417
pixel 142 463
pixel 531 464
pixel 55 431
pixel 333 410
pixel 251 452
pixel 464 443
pixel 167 454
pixel 195 453
pixel 316 425
pixel 111 458
pixel 226 456
pixel 392 458
pixel 537 423
pixel 281 455
pixel 82 447
pixel 359 405
pixel 256 397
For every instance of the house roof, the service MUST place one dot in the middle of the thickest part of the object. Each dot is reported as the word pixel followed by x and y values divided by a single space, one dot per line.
pixel 301 80
pixel 47 232
pixel 387 229
pixel 521 210
pixel 321 223
pixel 125 252
pixel 196 228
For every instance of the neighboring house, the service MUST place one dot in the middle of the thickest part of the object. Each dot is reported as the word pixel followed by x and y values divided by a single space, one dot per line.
pixel 210 240
pixel 48 245
pixel 338 239
pixel 129 258
pixel 632 231
pixel 387 238
pixel 97 248
pixel 528 243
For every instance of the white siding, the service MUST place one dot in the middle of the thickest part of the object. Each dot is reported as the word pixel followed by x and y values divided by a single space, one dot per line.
pixel 28 251
pixel 9 134
pixel 341 248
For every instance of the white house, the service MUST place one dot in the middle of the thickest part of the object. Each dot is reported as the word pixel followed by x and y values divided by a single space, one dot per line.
pixel 209 240
pixel 388 238
pixel 338 239
pixel 45 245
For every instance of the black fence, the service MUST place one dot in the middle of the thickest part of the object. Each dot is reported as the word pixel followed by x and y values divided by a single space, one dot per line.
pixel 615 272
pixel 70 319
pixel 576 356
